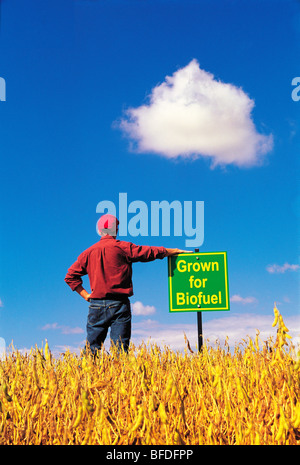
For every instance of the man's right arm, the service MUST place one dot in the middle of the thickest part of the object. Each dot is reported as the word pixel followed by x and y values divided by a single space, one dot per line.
pixel 176 251
pixel 144 253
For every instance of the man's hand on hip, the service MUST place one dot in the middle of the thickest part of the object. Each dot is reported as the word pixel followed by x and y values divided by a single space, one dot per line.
pixel 81 291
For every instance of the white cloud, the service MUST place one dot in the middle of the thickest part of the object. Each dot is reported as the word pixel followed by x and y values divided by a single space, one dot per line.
pixel 62 328
pixel 1 303
pixel 57 350
pixel 2 347
pixel 242 300
pixel 138 308
pixel 235 326
pixel 282 269
pixel 162 334
pixel 192 114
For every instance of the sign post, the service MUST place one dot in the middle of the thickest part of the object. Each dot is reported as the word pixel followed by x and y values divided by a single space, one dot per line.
pixel 198 282
pixel 199 325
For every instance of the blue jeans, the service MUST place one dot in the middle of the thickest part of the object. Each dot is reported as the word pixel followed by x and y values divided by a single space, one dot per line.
pixel 103 314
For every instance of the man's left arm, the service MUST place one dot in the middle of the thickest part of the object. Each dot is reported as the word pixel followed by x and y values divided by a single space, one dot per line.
pixel 74 277
pixel 82 292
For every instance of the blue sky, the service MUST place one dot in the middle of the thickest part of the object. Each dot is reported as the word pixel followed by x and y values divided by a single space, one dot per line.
pixel 72 70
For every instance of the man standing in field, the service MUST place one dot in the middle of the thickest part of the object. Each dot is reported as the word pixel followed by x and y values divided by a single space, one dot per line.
pixel 108 264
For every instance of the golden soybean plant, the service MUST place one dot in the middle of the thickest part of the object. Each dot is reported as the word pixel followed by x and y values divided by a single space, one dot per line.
pixel 152 395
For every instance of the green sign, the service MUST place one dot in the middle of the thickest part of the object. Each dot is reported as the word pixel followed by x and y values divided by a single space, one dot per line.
pixel 198 282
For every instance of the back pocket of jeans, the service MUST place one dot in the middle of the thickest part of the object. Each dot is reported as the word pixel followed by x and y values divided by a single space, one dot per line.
pixel 94 314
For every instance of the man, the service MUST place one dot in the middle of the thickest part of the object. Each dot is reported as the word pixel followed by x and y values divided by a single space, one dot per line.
pixel 108 264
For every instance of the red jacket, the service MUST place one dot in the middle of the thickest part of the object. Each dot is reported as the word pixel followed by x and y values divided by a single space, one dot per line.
pixel 108 265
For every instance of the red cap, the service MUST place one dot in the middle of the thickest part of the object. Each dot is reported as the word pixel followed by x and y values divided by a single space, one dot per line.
pixel 109 222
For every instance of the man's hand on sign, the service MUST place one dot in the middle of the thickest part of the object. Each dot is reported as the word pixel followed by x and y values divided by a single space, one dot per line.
pixel 177 251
